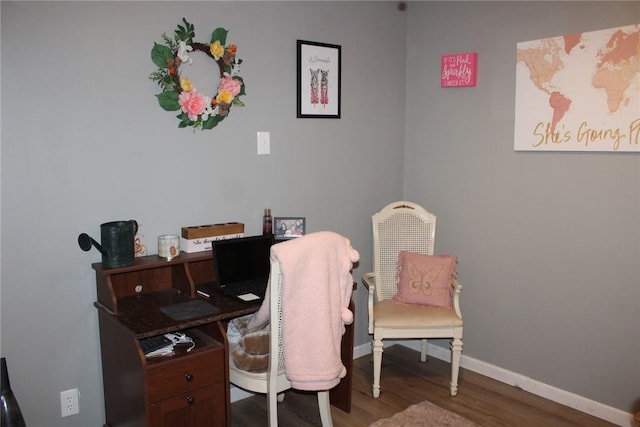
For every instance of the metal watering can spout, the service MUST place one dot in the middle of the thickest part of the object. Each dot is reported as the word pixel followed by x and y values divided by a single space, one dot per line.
pixel 117 246
pixel 85 241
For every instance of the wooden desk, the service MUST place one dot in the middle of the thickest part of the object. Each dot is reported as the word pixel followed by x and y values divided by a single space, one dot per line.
pixel 189 389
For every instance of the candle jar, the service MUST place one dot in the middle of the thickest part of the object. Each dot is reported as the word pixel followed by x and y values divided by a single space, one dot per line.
pixel 168 246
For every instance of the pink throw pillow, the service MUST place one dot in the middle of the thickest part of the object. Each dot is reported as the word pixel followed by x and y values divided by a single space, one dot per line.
pixel 425 279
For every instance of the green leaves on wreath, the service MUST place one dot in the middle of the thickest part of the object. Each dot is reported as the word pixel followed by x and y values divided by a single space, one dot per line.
pixel 211 122
pixel 160 54
pixel 168 100
pixel 219 34
pixel 184 120
pixel 186 33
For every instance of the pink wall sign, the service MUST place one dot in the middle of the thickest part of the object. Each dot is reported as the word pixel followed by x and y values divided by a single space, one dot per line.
pixel 459 69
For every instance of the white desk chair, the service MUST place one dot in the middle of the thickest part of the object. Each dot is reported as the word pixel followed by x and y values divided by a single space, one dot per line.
pixel 273 382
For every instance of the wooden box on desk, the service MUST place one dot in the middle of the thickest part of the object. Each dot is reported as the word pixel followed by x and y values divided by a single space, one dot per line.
pixel 204 244
pixel 201 231
pixel 198 238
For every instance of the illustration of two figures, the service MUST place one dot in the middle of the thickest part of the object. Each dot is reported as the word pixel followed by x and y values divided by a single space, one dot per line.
pixel 319 80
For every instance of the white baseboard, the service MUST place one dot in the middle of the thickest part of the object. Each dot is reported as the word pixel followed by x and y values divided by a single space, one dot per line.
pixel 580 403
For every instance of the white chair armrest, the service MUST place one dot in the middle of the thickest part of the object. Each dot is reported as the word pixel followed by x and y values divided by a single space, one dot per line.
pixel 457 288
pixel 368 280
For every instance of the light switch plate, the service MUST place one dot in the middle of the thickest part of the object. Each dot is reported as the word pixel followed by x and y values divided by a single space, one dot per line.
pixel 264 143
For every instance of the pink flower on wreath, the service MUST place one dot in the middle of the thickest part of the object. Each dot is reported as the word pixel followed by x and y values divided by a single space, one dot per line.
pixel 231 85
pixel 192 103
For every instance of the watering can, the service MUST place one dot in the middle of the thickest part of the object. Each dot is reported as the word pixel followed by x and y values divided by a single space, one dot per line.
pixel 117 243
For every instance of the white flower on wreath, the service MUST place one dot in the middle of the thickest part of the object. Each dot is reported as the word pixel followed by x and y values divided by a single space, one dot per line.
pixel 183 48
pixel 208 111
pixel 235 69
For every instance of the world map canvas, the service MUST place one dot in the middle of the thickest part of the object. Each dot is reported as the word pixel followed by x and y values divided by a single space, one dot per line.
pixel 579 92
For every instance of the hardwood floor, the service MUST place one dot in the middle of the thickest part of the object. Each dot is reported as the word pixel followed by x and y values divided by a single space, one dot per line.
pixel 405 381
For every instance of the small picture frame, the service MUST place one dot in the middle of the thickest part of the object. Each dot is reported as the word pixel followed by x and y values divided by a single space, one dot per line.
pixel 289 227
pixel 319 77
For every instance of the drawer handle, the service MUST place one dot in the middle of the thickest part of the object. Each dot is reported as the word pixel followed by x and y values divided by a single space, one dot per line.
pixel 188 377
pixel 191 400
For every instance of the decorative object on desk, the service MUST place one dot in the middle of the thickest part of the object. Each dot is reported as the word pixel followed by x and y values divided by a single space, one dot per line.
pixel 289 227
pixel 210 230
pixel 117 246
pixel 198 238
pixel 267 222
pixel 139 248
pixel 168 246
pixel 425 414
pixel 179 94
pixel 10 413
pixel 319 80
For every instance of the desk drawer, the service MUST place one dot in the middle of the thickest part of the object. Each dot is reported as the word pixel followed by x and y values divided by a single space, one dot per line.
pixel 185 374
pixel 202 407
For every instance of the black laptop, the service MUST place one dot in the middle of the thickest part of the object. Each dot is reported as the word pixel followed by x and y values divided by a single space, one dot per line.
pixel 242 266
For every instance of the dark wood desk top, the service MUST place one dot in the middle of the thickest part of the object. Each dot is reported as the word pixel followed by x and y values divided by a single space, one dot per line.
pixel 153 261
pixel 141 313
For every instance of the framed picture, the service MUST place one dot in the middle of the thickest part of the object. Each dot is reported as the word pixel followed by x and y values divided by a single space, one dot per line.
pixel 318 80
pixel 288 227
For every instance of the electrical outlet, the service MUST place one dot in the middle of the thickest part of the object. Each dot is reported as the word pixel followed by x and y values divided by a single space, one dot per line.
pixel 69 402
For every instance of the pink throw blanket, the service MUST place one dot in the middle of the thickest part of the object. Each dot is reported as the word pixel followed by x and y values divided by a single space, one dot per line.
pixel 316 290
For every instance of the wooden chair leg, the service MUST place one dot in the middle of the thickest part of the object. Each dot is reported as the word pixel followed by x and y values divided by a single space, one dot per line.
pixel 377 366
pixel 423 350
pixel 272 409
pixel 272 402
pixel 456 351
pixel 325 408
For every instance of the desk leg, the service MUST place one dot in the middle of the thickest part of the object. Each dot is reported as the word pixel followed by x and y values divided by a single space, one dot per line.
pixel 340 395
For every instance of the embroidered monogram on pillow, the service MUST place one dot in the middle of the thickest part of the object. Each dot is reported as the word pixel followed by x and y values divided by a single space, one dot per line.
pixel 425 279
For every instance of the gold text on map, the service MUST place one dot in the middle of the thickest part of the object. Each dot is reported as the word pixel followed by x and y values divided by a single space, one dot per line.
pixel 588 135
pixel 634 132
pixel 546 134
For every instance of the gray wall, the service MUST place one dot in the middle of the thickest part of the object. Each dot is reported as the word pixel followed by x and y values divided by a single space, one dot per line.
pixel 548 243
pixel 84 142
pixel 548 250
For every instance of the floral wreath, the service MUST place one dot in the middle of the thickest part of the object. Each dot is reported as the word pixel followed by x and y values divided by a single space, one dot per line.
pixel 178 93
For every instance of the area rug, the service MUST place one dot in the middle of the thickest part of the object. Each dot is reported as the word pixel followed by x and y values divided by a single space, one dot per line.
pixel 425 414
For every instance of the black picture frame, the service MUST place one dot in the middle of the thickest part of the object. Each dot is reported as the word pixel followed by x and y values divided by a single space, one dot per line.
pixel 289 227
pixel 319 80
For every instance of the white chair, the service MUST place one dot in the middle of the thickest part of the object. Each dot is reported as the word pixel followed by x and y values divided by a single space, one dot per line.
pixel 406 226
pixel 273 382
